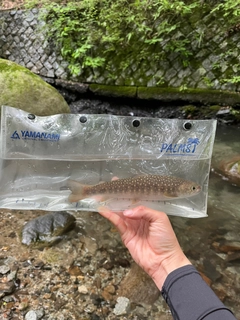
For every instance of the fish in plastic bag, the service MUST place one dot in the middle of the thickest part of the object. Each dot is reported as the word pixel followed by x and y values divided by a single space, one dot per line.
pixel 144 187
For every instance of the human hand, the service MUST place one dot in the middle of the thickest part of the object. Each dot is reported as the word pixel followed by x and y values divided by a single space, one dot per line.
pixel 150 239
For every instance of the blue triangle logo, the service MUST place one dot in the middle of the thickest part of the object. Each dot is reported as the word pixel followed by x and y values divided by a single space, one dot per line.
pixel 15 135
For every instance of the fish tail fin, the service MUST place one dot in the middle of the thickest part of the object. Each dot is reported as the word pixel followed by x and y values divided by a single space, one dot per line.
pixel 78 191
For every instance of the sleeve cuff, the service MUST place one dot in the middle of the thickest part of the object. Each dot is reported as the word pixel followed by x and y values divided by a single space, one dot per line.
pixel 189 297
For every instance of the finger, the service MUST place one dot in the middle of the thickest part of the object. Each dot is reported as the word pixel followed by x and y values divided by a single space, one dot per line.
pixel 113 217
pixel 145 213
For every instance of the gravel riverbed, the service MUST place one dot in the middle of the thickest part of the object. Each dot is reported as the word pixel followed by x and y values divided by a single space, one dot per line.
pixel 83 276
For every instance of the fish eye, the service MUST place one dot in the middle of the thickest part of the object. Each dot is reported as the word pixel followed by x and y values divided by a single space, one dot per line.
pixel 194 188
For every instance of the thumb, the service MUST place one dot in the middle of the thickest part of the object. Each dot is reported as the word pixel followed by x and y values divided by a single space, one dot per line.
pixel 142 212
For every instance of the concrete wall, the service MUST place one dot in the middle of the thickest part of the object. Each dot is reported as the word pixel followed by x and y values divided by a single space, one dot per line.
pixel 215 60
pixel 21 42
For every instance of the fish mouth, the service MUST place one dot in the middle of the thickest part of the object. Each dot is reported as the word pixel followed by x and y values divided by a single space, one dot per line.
pixel 198 189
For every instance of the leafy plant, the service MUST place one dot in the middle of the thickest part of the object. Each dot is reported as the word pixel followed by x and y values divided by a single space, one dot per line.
pixel 229 8
pixel 183 88
pixel 96 34
pixel 105 36
pixel 233 80
pixel 208 82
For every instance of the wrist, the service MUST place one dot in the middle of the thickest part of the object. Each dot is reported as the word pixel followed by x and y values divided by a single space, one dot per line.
pixel 167 266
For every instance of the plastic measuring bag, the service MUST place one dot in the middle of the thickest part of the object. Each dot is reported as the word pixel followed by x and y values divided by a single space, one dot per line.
pixel 40 155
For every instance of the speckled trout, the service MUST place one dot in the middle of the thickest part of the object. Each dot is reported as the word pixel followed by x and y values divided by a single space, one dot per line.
pixel 144 187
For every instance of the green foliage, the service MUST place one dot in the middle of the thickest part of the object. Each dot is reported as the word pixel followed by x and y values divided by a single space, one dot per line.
pixel 183 88
pixel 233 80
pixel 208 82
pixel 235 112
pixel 97 36
pixel 100 34
pixel 229 9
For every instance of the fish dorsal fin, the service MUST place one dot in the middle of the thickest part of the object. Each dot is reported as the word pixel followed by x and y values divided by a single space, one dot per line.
pixel 136 176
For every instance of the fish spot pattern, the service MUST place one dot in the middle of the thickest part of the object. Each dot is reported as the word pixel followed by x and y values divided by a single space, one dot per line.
pixel 146 185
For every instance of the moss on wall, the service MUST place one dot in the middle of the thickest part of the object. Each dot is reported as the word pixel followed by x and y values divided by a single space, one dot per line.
pixel 201 95
pixel 114 91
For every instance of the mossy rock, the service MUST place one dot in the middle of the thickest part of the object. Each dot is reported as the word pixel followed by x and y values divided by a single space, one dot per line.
pixel 20 88
pixel 113 91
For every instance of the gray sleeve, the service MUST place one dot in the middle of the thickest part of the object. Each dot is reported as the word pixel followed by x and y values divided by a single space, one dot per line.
pixel 190 298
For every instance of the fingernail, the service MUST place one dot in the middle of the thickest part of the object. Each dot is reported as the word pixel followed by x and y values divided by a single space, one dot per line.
pixel 128 212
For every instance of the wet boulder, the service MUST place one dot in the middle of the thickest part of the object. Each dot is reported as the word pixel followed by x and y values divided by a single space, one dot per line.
pixel 20 88
pixel 46 230
pixel 231 168
pixel 138 287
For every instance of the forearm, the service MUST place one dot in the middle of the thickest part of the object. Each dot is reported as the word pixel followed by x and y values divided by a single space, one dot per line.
pixel 190 298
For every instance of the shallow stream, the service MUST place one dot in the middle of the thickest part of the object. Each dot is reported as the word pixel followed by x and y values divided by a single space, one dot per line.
pixel 213 243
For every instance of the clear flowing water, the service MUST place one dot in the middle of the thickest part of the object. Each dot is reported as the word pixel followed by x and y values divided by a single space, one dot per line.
pixel 213 243
pixel 222 193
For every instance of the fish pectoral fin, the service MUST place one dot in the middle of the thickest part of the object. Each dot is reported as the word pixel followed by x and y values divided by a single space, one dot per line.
pixel 100 198
pixel 168 195
pixel 135 201
pixel 103 209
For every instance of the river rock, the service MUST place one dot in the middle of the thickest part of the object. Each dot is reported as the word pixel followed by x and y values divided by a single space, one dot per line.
pixel 4 269
pixel 231 168
pixel 89 244
pixel 83 289
pixel 46 230
pixel 225 246
pixel 31 315
pixel 34 314
pixel 20 88
pixel 122 306
pixel 138 287
pixel 108 292
pixel 74 271
pixel 6 288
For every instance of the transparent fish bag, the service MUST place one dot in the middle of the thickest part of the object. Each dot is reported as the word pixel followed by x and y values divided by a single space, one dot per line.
pixel 119 162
